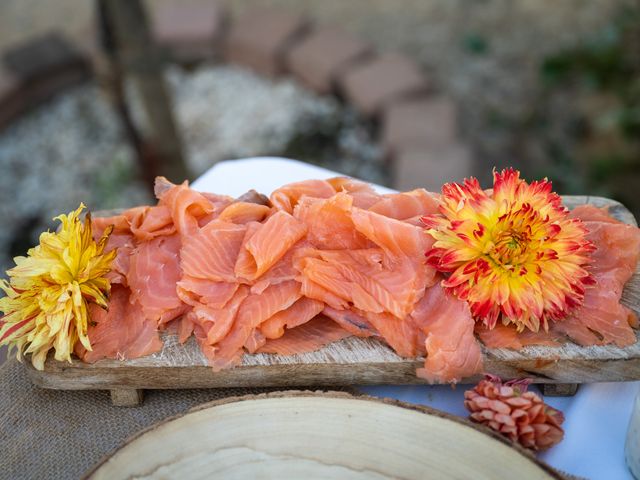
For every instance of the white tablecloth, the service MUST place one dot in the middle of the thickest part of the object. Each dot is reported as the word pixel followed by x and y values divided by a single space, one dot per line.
pixel 596 417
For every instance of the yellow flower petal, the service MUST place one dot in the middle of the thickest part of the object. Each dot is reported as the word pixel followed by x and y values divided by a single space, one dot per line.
pixel 47 297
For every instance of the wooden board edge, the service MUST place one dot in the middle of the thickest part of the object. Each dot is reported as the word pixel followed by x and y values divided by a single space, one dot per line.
pixel 345 396
pixel 69 377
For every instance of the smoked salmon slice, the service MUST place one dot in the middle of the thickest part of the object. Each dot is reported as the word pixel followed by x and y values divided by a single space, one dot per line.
pixel 255 309
pixel 196 291
pixel 211 253
pixel 453 353
pixel 217 322
pixel 297 314
pixel 395 237
pixel 406 205
pixel 399 334
pixel 150 222
pixel 153 275
pixel 255 340
pixel 601 319
pixel 119 222
pixel 287 197
pixel 351 322
pixel 310 289
pixel 283 270
pixel 186 205
pixel 309 337
pixel 591 213
pixel 617 244
pixel 243 212
pixel 124 244
pixel 268 244
pixel 374 280
pixel 121 332
pixel 363 195
pixel 333 277
pixel 506 336
pixel 329 223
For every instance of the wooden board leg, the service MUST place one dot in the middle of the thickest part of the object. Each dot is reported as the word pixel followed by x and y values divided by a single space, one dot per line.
pixel 126 397
pixel 559 389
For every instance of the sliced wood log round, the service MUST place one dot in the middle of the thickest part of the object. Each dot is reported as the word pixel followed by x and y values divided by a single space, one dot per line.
pixel 318 435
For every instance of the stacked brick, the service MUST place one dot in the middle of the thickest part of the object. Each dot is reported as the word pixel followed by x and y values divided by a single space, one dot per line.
pixel 418 128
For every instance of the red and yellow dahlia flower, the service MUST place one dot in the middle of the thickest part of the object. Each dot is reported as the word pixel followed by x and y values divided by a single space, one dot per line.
pixel 512 252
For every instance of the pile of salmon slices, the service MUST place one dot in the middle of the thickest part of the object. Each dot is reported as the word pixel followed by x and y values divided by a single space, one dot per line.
pixel 318 261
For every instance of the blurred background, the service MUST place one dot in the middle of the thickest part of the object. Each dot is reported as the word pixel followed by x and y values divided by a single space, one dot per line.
pixel 97 97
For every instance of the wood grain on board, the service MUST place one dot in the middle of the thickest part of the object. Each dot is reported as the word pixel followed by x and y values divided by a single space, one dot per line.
pixel 267 436
pixel 352 360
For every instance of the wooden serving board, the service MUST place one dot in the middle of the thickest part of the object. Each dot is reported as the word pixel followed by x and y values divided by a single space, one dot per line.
pixel 351 361
pixel 357 438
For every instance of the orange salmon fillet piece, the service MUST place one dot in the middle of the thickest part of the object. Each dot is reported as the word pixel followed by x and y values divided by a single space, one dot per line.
pixel 297 314
pixel 351 321
pixel 213 324
pixel 453 353
pixel 121 332
pixel 244 212
pixel 197 291
pixel 287 197
pixel 269 243
pixel 329 223
pixel 363 195
pixel 309 337
pixel 506 336
pixel 601 319
pixel 211 253
pixel 407 205
pixel 254 310
pixel 153 275
pixel 189 209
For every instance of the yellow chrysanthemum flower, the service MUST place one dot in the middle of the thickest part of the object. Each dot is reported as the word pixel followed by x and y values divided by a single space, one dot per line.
pixel 47 296
pixel 512 252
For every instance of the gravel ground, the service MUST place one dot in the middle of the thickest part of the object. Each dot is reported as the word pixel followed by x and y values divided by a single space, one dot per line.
pixel 72 150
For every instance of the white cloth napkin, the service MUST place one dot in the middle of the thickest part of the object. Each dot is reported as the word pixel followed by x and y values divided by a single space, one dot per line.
pixel 596 418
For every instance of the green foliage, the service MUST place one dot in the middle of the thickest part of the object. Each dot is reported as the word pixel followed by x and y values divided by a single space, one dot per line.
pixel 608 66
pixel 475 43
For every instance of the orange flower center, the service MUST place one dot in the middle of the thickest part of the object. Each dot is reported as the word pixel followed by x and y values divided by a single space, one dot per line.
pixel 509 248
pixel 515 239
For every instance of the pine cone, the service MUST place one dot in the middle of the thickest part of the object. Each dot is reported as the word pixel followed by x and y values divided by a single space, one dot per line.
pixel 517 414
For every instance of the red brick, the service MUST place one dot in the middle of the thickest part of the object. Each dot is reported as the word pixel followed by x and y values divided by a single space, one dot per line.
pixel 190 31
pixel 430 166
pixel 370 85
pixel 260 38
pixel 428 120
pixel 322 55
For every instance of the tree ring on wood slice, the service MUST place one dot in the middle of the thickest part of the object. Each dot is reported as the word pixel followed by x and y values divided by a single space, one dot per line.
pixel 298 434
